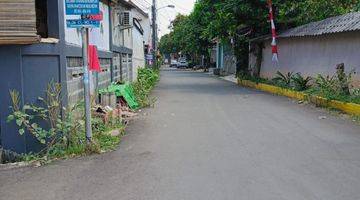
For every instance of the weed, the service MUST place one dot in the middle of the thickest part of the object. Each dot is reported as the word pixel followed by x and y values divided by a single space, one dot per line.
pixel 256 79
pixel 283 80
pixel 62 136
pixel 147 79
pixel 300 83
pixel 336 87
pixel 330 87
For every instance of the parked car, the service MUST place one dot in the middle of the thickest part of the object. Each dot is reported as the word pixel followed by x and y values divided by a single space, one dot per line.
pixel 183 63
pixel 173 63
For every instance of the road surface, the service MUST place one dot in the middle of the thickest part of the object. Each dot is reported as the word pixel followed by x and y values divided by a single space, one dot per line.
pixel 208 139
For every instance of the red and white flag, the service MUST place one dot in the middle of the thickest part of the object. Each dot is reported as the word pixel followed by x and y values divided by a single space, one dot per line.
pixel 274 47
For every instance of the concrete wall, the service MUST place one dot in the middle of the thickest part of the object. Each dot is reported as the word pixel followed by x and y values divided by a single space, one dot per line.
pixel 121 36
pixel 139 40
pixel 138 52
pixel 145 24
pixel 313 55
pixel 28 70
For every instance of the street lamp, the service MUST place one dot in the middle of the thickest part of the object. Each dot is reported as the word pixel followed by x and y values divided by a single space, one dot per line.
pixel 168 6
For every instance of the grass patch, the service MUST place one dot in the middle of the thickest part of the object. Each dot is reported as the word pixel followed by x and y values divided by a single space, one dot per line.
pixel 336 87
pixel 331 95
pixel 146 81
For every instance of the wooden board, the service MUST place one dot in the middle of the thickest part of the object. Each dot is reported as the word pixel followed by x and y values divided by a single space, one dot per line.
pixel 18 22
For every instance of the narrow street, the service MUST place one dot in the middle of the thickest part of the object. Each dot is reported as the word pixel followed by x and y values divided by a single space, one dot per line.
pixel 208 139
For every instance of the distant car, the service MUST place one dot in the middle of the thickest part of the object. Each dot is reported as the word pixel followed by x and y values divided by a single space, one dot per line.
pixel 173 63
pixel 183 63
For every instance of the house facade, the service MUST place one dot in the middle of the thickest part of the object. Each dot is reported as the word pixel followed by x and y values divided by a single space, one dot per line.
pixel 311 49
pixel 141 38
pixel 39 48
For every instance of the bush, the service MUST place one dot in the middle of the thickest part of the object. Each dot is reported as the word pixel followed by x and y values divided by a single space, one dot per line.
pixel 283 80
pixel 146 80
pixel 336 87
pixel 60 135
pixel 329 87
pixel 300 83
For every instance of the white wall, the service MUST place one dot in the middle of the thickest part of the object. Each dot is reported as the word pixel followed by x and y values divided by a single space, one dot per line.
pixel 145 23
pixel 313 55
pixel 139 40
pixel 138 52
pixel 98 36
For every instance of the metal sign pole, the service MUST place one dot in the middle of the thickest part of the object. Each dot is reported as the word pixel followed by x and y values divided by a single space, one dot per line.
pixel 86 79
pixel 84 9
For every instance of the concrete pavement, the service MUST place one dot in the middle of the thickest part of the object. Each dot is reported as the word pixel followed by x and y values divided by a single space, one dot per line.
pixel 208 139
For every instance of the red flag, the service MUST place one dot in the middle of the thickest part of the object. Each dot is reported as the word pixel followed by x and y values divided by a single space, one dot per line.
pixel 94 63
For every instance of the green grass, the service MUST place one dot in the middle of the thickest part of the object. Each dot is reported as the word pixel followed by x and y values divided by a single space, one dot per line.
pixel 146 81
pixel 333 96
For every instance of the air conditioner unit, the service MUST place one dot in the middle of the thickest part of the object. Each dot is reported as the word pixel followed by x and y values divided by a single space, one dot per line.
pixel 126 19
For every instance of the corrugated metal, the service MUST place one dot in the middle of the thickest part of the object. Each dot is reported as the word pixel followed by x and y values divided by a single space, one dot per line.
pixel 343 23
pixel 18 22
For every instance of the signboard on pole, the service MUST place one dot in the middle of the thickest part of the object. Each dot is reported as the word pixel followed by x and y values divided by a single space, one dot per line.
pixel 82 23
pixel 82 7
pixel 85 8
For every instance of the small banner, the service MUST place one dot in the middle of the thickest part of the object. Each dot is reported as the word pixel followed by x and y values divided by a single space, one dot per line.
pixel 274 47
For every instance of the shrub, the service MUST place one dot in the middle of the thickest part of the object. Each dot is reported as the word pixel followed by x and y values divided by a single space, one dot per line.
pixel 301 83
pixel 336 87
pixel 45 122
pixel 146 80
pixel 61 135
pixel 326 84
pixel 283 80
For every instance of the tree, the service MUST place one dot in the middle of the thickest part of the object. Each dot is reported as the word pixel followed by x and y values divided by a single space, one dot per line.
pixel 240 20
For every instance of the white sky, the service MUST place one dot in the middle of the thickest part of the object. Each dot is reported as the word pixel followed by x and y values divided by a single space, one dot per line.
pixel 166 15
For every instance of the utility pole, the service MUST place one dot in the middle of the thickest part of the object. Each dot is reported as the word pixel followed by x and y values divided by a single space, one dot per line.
pixel 154 33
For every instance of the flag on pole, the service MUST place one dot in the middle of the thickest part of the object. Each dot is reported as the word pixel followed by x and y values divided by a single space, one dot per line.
pixel 274 47
pixel 94 62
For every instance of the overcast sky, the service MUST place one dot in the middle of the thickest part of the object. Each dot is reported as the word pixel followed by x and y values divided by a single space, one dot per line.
pixel 166 15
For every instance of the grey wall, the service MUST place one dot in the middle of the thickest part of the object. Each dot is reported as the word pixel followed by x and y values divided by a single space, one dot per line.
pixel 28 69
pixel 29 74
pixel 313 55
pixel 10 72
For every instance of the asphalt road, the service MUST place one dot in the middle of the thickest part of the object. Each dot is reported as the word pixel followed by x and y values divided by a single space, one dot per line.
pixel 208 139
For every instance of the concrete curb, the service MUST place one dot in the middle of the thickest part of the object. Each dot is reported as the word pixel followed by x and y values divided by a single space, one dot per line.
pixel 349 108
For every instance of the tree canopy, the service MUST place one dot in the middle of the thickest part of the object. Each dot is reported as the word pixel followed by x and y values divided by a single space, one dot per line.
pixel 240 20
